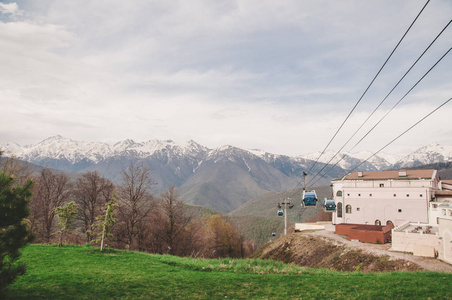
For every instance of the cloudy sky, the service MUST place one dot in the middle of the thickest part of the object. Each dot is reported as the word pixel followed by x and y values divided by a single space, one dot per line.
pixel 274 75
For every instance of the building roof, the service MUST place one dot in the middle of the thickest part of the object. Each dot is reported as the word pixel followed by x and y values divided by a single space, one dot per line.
pixel 394 175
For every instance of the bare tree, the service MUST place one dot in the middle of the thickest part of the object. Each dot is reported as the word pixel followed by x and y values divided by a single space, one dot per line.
pixel 173 231
pixel 51 190
pixel 135 204
pixel 91 193
pixel 19 170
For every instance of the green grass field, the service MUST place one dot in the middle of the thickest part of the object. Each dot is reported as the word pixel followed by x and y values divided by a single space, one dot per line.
pixel 74 272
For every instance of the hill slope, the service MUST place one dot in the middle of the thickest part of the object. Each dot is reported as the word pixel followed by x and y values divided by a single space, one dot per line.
pixel 321 252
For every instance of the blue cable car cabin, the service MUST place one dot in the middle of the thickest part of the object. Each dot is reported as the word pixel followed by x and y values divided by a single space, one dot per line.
pixel 309 198
pixel 280 213
pixel 329 205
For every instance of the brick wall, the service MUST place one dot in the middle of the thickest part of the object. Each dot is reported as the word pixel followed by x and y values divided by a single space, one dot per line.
pixel 365 233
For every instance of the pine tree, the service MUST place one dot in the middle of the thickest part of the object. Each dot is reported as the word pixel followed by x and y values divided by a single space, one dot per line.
pixel 106 222
pixel 66 215
pixel 14 233
pixel 109 222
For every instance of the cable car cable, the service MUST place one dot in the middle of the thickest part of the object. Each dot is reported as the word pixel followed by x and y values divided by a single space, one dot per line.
pixel 417 60
pixel 370 84
pixel 400 135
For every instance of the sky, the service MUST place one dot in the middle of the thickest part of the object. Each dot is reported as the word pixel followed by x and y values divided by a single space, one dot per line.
pixel 280 76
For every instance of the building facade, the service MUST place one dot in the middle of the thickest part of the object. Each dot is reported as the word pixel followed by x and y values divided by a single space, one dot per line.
pixel 385 197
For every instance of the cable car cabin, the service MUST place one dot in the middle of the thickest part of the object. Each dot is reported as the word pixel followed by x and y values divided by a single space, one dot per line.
pixel 329 205
pixel 280 213
pixel 309 198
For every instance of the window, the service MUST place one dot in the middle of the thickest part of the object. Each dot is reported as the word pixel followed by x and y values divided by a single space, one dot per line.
pixel 348 195
pixel 400 210
pixel 395 195
pixel 388 222
pixel 420 195
pixel 359 195
pixel 382 185
pixel 348 209
pixel 370 195
pixel 450 212
pixel 357 209
pixel 378 222
pixel 444 212
pixel 339 209
pixel 407 195
pixel 339 194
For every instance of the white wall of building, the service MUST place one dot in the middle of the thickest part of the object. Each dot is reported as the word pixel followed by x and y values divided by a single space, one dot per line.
pixel 397 201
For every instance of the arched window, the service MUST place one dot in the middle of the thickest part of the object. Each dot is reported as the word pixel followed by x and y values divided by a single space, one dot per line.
pixel 339 194
pixel 339 209
pixel 378 222
pixel 388 222
pixel 348 209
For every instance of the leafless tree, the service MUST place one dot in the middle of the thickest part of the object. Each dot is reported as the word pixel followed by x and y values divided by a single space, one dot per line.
pixel 51 190
pixel 19 170
pixel 91 193
pixel 173 231
pixel 135 204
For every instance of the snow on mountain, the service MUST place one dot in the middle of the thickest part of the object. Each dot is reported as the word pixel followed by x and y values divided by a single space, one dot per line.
pixel 60 148
pixel 432 153
pixel 348 161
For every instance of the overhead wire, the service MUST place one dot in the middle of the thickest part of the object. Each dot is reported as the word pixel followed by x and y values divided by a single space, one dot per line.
pixel 390 109
pixel 368 87
pixel 399 136
pixel 378 106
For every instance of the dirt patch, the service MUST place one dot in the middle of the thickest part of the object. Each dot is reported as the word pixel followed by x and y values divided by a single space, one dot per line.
pixel 322 252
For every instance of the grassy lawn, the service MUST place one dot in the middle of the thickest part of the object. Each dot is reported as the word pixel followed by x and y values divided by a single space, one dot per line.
pixel 86 273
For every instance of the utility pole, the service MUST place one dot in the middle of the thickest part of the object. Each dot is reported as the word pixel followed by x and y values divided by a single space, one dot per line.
pixel 285 203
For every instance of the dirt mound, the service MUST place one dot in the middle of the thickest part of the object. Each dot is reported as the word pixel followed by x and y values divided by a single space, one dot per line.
pixel 321 252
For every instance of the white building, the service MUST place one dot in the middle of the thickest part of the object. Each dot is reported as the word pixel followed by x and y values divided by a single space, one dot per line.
pixel 383 197
pixel 416 201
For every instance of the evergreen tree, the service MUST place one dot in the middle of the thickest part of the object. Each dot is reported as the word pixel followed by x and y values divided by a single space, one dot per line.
pixel 66 215
pixel 108 222
pixel 14 233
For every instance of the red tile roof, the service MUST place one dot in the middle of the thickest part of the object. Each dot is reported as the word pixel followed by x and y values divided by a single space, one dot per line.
pixel 382 175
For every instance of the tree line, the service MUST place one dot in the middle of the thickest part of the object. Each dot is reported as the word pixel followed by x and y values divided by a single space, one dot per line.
pixel 91 209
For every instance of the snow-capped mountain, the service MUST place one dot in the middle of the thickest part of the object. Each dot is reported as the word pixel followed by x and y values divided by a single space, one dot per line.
pixel 430 154
pixel 222 178
pixel 348 161
pixel 61 148
pixel 72 152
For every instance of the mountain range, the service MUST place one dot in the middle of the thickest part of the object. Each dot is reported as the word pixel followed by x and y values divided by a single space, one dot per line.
pixel 223 178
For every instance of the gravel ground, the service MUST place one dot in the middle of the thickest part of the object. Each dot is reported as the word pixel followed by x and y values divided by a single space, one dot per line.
pixel 430 264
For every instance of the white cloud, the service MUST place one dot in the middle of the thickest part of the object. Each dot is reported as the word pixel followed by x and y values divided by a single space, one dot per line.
pixel 10 9
pixel 276 75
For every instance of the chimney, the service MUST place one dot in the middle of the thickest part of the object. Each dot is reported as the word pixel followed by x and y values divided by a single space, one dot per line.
pixel 402 173
pixel 360 174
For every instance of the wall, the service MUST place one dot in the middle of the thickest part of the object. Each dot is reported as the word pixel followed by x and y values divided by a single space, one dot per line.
pixel 406 241
pixel 445 233
pixel 365 233
pixel 374 203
